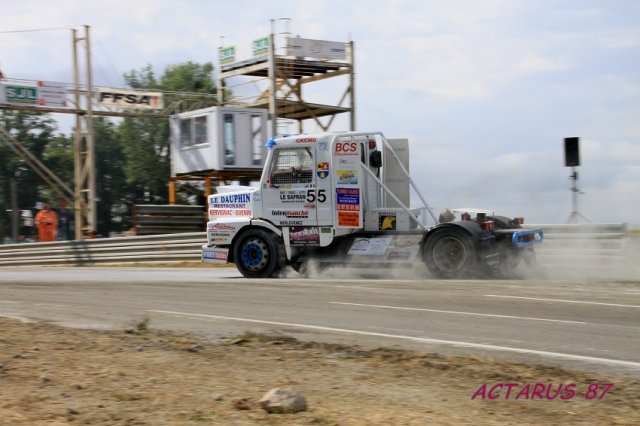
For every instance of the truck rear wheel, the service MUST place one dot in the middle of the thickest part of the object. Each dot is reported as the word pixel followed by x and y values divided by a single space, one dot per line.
pixel 449 253
pixel 257 254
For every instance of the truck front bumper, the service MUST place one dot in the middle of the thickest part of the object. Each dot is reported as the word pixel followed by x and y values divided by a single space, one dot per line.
pixel 215 254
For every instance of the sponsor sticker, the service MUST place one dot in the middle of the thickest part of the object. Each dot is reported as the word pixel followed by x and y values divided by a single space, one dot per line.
pixel 233 199
pixel 230 212
pixel 347 177
pixel 218 240
pixel 323 144
pixel 322 169
pixel 293 196
pixel 290 222
pixel 306 140
pixel 230 205
pixel 346 148
pixel 221 227
pixel 347 199
pixel 370 246
pixel 304 236
pixel 387 222
pixel 215 254
pixel 303 214
pixel 349 219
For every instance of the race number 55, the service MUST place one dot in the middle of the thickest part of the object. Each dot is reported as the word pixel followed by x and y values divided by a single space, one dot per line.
pixel 311 196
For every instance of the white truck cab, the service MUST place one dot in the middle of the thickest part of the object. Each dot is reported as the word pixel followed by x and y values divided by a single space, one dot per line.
pixel 323 197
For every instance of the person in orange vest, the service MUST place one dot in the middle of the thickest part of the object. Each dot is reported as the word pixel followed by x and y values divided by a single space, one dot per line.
pixel 47 224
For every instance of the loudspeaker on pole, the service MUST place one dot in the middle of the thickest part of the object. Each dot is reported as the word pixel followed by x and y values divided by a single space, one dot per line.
pixel 571 152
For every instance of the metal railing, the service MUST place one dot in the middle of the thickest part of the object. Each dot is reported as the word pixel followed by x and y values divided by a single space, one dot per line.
pixel 150 219
pixel 142 249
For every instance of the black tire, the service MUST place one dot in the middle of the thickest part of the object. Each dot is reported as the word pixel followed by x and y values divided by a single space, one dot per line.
pixel 450 253
pixel 258 254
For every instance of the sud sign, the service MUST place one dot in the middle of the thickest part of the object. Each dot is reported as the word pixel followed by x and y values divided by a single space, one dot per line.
pixel 130 99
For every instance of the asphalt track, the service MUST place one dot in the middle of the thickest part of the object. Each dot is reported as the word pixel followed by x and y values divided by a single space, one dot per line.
pixel 587 325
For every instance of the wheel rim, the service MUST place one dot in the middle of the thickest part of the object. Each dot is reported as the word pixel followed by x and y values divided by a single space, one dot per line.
pixel 449 254
pixel 255 254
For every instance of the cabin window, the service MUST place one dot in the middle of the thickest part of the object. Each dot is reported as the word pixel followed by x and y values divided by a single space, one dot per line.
pixel 229 136
pixel 185 132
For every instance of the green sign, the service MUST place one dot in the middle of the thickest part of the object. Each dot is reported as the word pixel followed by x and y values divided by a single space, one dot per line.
pixel 20 94
pixel 227 54
pixel 260 46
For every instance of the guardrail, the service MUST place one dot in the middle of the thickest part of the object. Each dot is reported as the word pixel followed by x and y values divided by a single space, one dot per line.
pixel 141 249
pixel 568 251
pixel 153 219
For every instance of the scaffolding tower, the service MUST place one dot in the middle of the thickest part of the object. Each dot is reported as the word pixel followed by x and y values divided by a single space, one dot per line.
pixel 286 69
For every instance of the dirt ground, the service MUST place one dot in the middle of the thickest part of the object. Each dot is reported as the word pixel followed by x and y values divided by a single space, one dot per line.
pixel 51 375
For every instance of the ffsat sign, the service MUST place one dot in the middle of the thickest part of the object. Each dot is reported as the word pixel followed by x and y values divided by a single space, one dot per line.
pixel 130 99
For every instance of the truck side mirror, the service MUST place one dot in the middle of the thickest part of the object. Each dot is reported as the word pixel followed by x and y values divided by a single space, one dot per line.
pixel 375 158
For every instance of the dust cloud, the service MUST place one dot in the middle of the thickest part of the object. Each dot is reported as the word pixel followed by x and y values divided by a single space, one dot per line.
pixel 587 256
pixel 583 253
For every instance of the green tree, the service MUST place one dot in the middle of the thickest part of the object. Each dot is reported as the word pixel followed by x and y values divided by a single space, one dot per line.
pixel 58 155
pixel 147 167
pixel 145 142
pixel 189 77
pixel 144 78
pixel 35 132
pixel 111 206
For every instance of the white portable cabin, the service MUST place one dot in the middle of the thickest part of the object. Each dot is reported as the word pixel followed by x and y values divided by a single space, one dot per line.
pixel 218 139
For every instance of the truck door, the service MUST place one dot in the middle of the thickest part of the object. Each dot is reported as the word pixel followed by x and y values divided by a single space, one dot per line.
pixel 290 197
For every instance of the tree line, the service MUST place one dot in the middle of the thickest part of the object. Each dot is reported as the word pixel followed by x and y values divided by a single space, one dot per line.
pixel 132 155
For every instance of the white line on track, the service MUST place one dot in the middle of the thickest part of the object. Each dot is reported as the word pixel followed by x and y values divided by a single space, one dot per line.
pixel 16 317
pixel 562 301
pixel 557 355
pixel 456 312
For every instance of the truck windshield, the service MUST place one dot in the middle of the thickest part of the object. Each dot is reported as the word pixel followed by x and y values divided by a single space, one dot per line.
pixel 292 165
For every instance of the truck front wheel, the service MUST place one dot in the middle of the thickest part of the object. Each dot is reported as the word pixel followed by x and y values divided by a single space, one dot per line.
pixel 257 254
pixel 449 253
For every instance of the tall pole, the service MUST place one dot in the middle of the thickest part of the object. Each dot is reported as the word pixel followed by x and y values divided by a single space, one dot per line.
pixel 14 210
pixel 574 195
pixel 77 142
pixel 84 149
pixel 91 157
pixel 220 88
pixel 352 85
pixel 272 81
pixel 574 189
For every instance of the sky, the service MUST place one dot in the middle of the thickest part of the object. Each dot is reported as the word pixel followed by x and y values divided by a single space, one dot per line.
pixel 486 91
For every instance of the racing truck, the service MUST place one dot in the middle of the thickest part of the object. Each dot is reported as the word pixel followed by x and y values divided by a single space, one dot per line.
pixel 343 198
